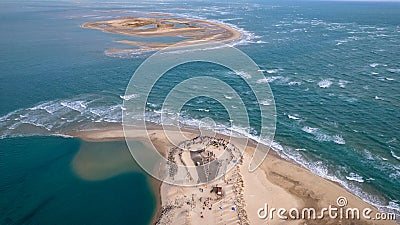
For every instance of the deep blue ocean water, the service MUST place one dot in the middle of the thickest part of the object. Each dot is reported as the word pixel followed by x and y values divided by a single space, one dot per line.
pixel 333 67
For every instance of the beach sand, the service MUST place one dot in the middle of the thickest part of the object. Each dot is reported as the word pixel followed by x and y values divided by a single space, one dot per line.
pixel 192 31
pixel 277 182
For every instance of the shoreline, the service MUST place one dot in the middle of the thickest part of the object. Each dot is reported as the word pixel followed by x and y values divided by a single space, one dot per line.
pixel 156 186
pixel 285 178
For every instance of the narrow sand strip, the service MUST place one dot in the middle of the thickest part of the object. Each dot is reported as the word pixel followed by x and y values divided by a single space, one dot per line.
pixel 277 182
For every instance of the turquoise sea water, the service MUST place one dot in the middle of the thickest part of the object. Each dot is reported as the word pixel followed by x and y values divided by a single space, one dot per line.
pixel 334 69
pixel 39 186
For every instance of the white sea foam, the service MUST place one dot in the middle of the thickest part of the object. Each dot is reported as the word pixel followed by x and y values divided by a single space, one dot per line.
pixel 231 19
pixel 373 65
pixel 262 81
pixel 244 74
pixel 62 135
pixel 392 140
pixel 57 115
pixel 394 155
pixel 342 83
pixel 128 97
pixel 242 131
pixel 247 37
pixel 78 106
pixel 355 177
pixel 326 83
pixel 292 83
pixel 265 102
pixel 395 175
pixel 50 107
pixel 228 97
pixel 152 105
pixel 368 155
pixel 293 117
pixel 321 136
pixel 310 81
pixel 273 78
pixel 394 70
pixel 203 110
pixel 130 54
pixel 272 71
pixel 261 42
pixel 338 139
pixel 394 206
pixel 310 130
pixel 381 78
pixel 339 43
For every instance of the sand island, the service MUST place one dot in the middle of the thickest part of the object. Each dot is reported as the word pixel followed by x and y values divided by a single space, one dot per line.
pixel 191 31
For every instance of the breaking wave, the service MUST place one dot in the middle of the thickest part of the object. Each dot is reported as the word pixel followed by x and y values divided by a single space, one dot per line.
pixel 60 116
pixel 321 136
pixel 355 177
pixel 394 155
pixel 326 83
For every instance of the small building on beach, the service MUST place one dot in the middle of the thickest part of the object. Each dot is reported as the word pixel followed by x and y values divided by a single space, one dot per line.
pixel 218 191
